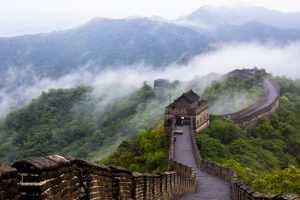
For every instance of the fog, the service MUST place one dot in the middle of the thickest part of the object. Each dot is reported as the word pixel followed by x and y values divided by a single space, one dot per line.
pixel 35 16
pixel 116 83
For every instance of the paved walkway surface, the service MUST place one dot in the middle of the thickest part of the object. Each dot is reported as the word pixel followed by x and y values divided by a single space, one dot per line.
pixel 209 187
pixel 272 95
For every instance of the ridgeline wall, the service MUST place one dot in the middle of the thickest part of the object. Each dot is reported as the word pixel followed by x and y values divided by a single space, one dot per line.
pixel 247 120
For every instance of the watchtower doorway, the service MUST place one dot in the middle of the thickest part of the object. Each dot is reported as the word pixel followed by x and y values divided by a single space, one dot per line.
pixel 182 120
pixel 179 120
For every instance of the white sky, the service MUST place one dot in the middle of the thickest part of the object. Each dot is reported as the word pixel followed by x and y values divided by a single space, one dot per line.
pixel 32 16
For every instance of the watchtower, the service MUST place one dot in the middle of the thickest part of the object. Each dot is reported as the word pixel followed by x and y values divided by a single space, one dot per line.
pixel 187 109
pixel 161 84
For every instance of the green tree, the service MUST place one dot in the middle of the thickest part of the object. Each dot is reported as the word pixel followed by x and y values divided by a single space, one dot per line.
pixel 224 130
pixel 245 174
pixel 148 152
pixel 279 181
pixel 211 148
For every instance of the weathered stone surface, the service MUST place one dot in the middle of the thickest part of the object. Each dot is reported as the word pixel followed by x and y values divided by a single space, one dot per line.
pixel 7 171
pixel 9 188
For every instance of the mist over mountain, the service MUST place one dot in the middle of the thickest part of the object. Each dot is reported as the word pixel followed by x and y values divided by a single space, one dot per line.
pixel 106 43
pixel 178 49
pixel 102 43
pixel 244 24
pixel 214 16
pixel 255 31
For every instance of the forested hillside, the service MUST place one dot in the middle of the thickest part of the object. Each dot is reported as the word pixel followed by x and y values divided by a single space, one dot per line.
pixel 273 144
pixel 76 122
pixel 67 121
pixel 147 152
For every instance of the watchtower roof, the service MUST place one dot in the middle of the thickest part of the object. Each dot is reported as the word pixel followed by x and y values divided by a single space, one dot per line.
pixel 189 96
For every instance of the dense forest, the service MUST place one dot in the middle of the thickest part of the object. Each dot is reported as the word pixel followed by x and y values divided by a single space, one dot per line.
pixel 78 123
pixel 68 121
pixel 269 150
pixel 147 152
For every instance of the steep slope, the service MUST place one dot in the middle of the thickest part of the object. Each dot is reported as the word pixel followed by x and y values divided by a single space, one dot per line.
pixel 69 121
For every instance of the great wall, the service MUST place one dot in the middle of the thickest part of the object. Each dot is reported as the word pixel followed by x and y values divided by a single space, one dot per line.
pixel 264 106
pixel 190 176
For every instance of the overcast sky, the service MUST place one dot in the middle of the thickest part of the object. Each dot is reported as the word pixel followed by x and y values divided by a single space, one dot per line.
pixel 19 17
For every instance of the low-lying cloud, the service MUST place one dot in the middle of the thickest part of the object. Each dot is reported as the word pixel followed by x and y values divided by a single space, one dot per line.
pixel 283 60
pixel 115 83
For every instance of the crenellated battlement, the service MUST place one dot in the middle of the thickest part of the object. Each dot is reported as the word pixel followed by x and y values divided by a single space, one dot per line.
pixel 64 177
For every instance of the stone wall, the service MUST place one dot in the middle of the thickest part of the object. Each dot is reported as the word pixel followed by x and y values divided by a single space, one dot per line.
pixel 95 181
pixel 64 177
pixel 236 115
pixel 248 121
pixel 251 121
pixel 9 188
pixel 51 176
pixel 240 191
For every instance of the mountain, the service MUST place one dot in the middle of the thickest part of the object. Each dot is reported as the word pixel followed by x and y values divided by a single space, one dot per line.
pixel 107 43
pixel 244 24
pixel 255 31
pixel 102 43
pixel 214 16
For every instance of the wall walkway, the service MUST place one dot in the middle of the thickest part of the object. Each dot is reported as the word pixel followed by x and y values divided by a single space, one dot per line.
pixel 208 186
pixel 265 106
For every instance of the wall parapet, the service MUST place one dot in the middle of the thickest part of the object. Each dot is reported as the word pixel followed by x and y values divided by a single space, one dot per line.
pixel 247 121
pixel 9 188
pixel 65 177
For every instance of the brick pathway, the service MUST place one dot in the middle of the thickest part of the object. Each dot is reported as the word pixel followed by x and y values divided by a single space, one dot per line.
pixel 209 187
